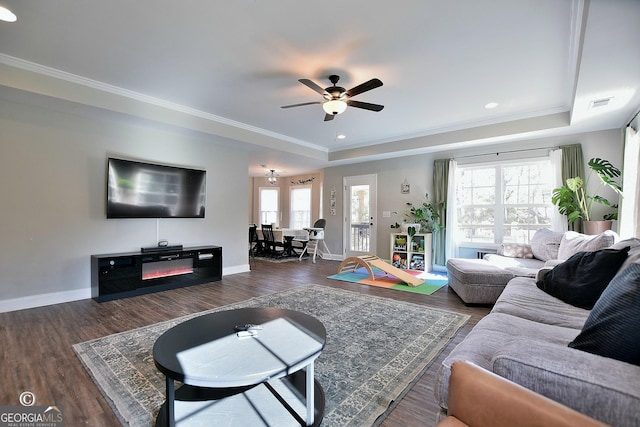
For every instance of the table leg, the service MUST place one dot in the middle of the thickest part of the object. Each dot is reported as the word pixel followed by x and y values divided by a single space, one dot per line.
pixel 309 394
pixel 290 248
pixel 171 394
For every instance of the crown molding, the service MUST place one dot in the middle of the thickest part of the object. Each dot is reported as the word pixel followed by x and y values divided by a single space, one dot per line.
pixel 101 87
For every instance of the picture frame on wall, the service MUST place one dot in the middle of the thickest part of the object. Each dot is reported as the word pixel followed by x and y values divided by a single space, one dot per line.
pixel 405 188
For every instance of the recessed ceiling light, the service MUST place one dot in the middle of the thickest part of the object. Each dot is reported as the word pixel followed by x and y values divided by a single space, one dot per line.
pixel 7 15
pixel 491 105
pixel 341 136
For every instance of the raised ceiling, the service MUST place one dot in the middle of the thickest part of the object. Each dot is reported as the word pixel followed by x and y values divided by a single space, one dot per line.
pixel 225 68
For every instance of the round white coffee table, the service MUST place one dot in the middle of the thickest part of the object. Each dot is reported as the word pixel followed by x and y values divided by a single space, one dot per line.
pixel 267 378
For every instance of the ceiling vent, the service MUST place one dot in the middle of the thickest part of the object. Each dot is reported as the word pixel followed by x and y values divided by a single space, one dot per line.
pixel 603 102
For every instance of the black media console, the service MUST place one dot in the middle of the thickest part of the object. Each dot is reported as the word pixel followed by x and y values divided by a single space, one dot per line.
pixel 128 274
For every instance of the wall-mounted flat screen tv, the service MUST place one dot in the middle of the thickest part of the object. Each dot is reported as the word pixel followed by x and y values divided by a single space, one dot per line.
pixel 146 190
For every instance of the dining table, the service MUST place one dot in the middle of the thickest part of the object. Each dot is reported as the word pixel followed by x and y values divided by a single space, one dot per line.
pixel 280 233
pixel 286 236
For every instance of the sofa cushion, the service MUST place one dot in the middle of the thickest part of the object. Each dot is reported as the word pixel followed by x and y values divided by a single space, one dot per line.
pixel 489 335
pixel 600 387
pixel 545 244
pixel 476 281
pixel 572 243
pixel 515 250
pixel 505 261
pixel 522 298
pixel 580 280
pixel 613 327
pixel 522 271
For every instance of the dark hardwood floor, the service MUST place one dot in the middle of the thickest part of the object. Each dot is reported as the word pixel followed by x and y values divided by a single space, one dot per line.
pixel 37 355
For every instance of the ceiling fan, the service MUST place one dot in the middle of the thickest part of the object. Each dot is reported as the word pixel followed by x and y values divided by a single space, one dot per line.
pixel 336 98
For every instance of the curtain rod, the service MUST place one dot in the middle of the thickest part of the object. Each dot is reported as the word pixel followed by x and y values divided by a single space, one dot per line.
pixel 507 152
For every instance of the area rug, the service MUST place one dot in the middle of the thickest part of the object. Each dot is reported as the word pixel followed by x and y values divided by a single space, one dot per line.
pixel 376 349
pixel 433 280
pixel 277 260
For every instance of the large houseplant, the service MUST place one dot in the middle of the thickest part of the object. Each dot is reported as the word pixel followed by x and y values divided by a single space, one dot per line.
pixel 424 214
pixel 573 201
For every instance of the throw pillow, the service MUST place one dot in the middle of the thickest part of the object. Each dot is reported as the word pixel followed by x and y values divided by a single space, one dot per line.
pixel 573 242
pixel 613 326
pixel 515 250
pixel 545 244
pixel 634 252
pixel 580 280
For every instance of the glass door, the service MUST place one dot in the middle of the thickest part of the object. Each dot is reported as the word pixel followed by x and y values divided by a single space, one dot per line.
pixel 359 217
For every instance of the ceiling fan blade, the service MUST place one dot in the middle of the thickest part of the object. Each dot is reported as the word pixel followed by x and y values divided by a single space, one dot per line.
pixel 314 86
pixel 300 105
pixel 371 84
pixel 328 117
pixel 365 105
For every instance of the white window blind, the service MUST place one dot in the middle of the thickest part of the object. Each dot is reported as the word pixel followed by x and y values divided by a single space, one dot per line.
pixel 269 206
pixel 503 203
pixel 300 215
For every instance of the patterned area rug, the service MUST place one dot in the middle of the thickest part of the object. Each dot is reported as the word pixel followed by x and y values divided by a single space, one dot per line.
pixel 376 348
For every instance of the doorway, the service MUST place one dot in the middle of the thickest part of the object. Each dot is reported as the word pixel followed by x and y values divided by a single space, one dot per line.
pixel 360 202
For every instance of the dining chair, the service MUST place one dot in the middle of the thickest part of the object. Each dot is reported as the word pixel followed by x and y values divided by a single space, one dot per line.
pixel 253 242
pixel 271 245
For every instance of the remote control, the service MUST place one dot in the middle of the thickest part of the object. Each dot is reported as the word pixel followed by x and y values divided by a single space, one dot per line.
pixel 248 327
pixel 247 334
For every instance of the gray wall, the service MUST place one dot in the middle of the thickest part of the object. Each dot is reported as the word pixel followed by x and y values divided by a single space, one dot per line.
pixel 52 169
pixel 418 171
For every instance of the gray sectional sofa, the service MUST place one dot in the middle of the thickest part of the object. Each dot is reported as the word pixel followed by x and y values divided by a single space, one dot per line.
pixel 481 281
pixel 536 340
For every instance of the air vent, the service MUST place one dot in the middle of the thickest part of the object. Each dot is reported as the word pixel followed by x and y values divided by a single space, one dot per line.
pixel 603 102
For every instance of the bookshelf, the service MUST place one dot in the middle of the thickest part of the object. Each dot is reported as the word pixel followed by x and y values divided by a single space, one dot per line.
pixel 411 253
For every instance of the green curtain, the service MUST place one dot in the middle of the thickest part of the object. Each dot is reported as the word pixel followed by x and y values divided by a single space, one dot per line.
pixel 440 189
pixel 572 165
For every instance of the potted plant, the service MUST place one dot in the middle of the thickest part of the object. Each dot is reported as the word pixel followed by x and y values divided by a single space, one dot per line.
pixel 422 217
pixel 573 201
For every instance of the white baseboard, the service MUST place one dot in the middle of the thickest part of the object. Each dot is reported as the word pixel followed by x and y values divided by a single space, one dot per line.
pixel 243 268
pixel 41 300
pixel 331 257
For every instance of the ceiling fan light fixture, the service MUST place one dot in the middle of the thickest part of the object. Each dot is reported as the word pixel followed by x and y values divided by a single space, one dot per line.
pixel 334 107
pixel 336 98
pixel 6 15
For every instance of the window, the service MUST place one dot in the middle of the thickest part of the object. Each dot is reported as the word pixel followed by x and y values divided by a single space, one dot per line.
pixel 300 207
pixel 269 205
pixel 503 203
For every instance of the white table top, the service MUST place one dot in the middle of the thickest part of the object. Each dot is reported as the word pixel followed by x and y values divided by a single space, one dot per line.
pixel 279 349
pixel 206 351
pixel 279 233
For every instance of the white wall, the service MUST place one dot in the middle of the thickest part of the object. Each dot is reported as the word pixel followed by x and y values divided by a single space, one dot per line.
pixel 52 197
pixel 418 171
